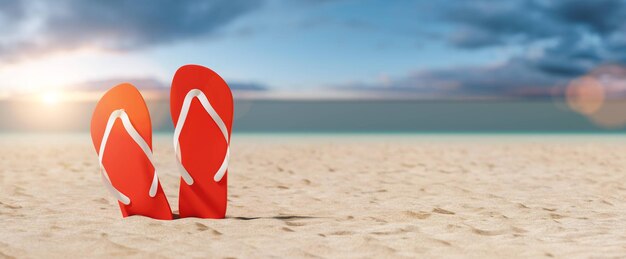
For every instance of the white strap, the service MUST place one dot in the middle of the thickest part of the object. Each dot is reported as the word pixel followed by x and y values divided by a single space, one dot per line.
pixel 121 114
pixel 196 93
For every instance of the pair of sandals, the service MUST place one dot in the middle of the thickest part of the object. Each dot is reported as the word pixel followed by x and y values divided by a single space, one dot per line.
pixel 201 105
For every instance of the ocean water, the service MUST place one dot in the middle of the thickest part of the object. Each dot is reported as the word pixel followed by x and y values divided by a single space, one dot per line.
pixel 335 116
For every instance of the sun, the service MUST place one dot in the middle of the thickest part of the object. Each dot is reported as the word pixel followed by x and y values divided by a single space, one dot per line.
pixel 51 98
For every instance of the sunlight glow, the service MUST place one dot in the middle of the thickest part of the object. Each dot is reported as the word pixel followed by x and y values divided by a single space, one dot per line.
pixel 63 70
pixel 51 98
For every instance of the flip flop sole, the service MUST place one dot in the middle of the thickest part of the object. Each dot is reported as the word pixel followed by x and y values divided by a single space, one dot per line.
pixel 202 144
pixel 127 166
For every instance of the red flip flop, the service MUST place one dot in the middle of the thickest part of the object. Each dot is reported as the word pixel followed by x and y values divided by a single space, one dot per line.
pixel 202 111
pixel 125 153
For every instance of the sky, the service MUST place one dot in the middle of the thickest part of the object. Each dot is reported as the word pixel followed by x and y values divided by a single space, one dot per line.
pixel 441 49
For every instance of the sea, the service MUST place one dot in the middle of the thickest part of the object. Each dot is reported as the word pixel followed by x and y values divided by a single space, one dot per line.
pixel 344 116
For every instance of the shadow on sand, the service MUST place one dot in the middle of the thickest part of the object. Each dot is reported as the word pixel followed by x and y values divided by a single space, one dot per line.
pixel 281 217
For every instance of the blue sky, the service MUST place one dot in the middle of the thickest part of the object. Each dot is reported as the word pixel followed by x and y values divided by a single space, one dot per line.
pixel 439 48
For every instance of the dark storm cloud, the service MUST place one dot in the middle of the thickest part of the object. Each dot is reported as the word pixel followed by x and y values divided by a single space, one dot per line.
pixel 602 16
pixel 570 57
pixel 488 23
pixel 572 24
pixel 485 23
pixel 115 24
pixel 133 23
pixel 569 38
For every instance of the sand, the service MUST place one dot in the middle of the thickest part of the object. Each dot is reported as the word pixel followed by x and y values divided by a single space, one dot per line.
pixel 335 196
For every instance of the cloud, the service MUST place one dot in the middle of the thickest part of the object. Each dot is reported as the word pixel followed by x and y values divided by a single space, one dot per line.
pixel 143 83
pixel 515 78
pixel 112 25
pixel 10 10
pixel 602 16
pixel 485 23
pixel 148 83
pixel 491 23
pixel 560 41
pixel 586 33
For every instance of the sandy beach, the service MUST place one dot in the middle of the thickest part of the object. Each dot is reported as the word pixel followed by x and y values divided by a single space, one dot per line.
pixel 333 196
